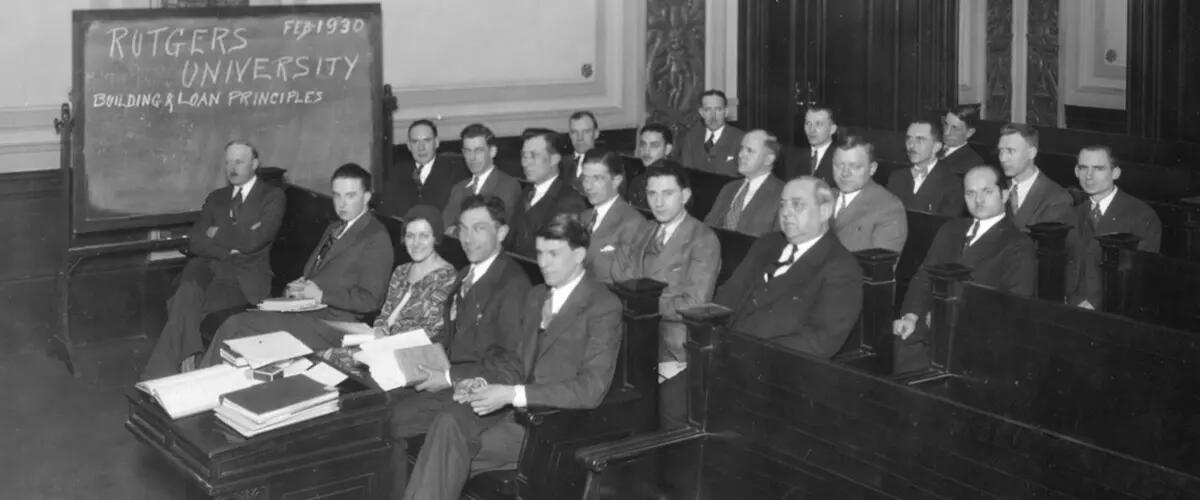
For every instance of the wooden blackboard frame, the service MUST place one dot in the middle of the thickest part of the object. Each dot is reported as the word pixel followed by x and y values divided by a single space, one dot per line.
pixel 78 168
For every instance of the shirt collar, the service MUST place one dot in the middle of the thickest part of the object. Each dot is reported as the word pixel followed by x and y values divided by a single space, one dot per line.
pixel 603 208
pixel 559 295
pixel 929 169
pixel 1027 183
pixel 482 178
pixel 351 222
pixel 245 187
pixel 478 269
pixel 850 197
pixel 950 150
pixel 716 134
pixel 801 248
pixel 1106 200
pixel 985 224
pixel 755 183
pixel 821 149
pixel 539 190
pixel 670 227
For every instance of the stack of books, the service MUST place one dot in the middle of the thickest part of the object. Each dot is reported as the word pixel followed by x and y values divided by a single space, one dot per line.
pixel 279 403
pixel 196 391
pixel 259 350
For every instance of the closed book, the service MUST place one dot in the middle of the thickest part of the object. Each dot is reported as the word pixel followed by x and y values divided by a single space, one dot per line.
pixel 270 400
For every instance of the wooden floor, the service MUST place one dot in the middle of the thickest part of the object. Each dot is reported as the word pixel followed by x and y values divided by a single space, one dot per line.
pixel 64 437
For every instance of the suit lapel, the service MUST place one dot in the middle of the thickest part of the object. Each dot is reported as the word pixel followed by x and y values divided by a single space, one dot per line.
pixel 532 319
pixel 349 238
pixel 987 244
pixel 804 267
pixel 567 316
pixel 612 219
pixel 674 246
pixel 1029 204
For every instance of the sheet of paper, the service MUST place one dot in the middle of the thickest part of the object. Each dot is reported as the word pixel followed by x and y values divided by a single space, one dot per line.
pixel 379 356
pixel 260 350
pixel 325 374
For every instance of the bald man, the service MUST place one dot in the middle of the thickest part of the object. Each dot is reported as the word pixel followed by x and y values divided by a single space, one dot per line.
pixel 798 287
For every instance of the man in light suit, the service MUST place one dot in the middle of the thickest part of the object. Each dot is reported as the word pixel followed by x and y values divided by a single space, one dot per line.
pixel 999 255
pixel 800 288
pixel 865 214
pixel 583 130
pixel 927 186
pixel 751 205
pixel 347 274
pixel 611 222
pixel 711 146
pixel 1108 210
pixel 425 178
pixel 548 195
pixel 958 126
pixel 483 331
pixel 816 159
pixel 231 246
pixel 571 330
pixel 1034 197
pixel 479 149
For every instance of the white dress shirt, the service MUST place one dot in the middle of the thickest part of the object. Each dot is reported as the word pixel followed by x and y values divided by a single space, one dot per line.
pixel 917 181
pixel 424 170
pixel 539 190
pixel 796 251
pixel 715 135
pixel 244 189
pixel 1024 186
pixel 984 226
pixel 481 179
pixel 844 200
pixel 1105 201
pixel 601 211
pixel 752 187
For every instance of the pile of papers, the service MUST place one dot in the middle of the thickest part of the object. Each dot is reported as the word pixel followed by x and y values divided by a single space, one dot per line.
pixel 279 403
pixel 260 350
pixel 286 304
pixel 397 360
pixel 198 390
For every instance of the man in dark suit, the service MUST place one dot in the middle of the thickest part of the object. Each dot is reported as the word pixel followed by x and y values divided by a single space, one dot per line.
pixel 347 274
pixel 571 330
pixel 231 246
pixel 1108 210
pixel 483 327
pixel 865 214
pixel 927 186
pixel 479 150
pixel 611 222
pixel 584 130
pixel 999 255
pixel 548 195
pixel 683 253
pixel 1034 197
pixel 816 159
pixel 655 144
pixel 711 146
pixel 750 205
pixel 800 287
pixel 958 127
pixel 424 179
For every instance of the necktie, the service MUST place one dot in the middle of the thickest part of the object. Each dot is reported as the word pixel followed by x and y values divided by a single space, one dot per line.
pixel 547 309
pixel 589 220
pixel 919 173
pixel 328 244
pixel 417 175
pixel 735 210
pixel 840 206
pixel 473 184
pixel 578 164
pixel 1095 214
pixel 660 239
pixel 812 162
pixel 974 231
pixel 708 143
pixel 466 282
pixel 782 264
pixel 236 206
pixel 1014 199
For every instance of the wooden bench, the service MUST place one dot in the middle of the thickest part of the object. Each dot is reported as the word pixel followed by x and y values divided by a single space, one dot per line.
pixel 1055 402
pixel 1146 286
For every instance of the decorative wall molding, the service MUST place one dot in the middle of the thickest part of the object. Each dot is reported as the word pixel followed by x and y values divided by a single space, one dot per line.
pixel 1094 53
pixel 972 51
pixel 27 139
pixel 1020 60
pixel 998 105
pixel 1042 90
pixel 676 55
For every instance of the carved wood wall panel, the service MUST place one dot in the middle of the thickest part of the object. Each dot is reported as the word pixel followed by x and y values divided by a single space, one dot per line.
pixel 674 62
pixel 1042 78
pixel 999 60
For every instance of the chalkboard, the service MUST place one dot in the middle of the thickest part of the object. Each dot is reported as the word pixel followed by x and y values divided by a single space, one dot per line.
pixel 159 92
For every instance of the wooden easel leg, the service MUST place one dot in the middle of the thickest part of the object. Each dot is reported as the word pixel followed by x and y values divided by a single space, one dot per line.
pixel 60 343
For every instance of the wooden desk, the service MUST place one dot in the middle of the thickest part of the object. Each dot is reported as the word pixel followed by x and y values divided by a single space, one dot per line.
pixel 339 456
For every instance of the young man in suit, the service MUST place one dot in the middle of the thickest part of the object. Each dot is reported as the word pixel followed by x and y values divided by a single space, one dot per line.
pixel 800 287
pixel 999 255
pixel 1108 210
pixel 958 126
pixel 817 159
pixel 424 179
pixel 712 145
pixel 584 130
pixel 483 327
pixel 865 215
pixel 347 274
pixel 683 253
pixel 927 186
pixel 751 205
pixel 230 268
pixel 571 330
pixel 479 150
pixel 611 222
pixel 1034 197
pixel 548 195
pixel 655 143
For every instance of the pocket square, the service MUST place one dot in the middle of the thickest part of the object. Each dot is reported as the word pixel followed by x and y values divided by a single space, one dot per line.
pixel 608 248
pixel 729 158
pixel 255 226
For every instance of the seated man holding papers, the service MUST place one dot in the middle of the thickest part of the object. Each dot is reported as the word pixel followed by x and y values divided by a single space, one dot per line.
pixel 344 279
pixel 571 330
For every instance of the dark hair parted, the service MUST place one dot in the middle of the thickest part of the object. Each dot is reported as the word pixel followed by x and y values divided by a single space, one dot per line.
pixel 1027 132
pixel 857 141
pixel 1112 158
pixel 550 136
pixel 967 113
pixel 565 227
pixel 493 204
pixel 1002 181
pixel 610 160
pixel 670 170
pixel 243 142
pixel 426 122
pixel 579 115
pixel 715 92
pixel 935 127
pixel 663 130
pixel 817 106
pixel 478 130
pixel 353 171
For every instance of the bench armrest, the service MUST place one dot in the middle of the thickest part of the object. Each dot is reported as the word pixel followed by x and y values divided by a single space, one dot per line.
pixel 598 457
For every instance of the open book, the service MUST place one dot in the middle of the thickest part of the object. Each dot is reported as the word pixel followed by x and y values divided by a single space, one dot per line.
pixel 395 360
pixel 196 391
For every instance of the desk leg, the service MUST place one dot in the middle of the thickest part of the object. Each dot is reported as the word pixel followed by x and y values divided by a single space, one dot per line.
pixel 60 343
